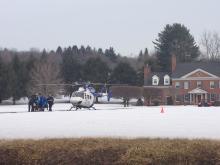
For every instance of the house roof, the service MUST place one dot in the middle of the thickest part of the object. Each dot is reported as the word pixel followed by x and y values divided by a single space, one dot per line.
pixel 161 75
pixel 185 68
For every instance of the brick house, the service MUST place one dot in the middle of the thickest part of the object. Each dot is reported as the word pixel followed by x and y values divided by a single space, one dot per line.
pixel 188 83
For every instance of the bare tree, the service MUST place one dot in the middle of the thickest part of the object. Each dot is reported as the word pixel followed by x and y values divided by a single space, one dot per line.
pixel 210 43
pixel 45 72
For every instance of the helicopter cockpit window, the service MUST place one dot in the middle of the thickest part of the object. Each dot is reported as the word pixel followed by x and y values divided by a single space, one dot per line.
pixel 78 94
pixel 87 96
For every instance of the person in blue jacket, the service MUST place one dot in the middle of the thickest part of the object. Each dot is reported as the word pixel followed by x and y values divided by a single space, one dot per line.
pixel 42 102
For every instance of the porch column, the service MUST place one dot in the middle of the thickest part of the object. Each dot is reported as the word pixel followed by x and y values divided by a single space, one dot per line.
pixel 193 99
pixel 196 96
pixel 190 98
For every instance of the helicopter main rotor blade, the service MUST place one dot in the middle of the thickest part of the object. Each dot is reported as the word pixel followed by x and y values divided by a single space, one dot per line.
pixel 73 85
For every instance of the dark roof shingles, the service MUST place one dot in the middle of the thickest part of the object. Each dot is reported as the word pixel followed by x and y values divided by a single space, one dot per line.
pixel 185 68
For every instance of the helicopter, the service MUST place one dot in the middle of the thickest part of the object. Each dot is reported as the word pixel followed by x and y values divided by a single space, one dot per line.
pixel 82 98
pixel 85 96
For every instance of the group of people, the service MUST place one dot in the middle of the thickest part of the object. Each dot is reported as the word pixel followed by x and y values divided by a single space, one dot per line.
pixel 39 102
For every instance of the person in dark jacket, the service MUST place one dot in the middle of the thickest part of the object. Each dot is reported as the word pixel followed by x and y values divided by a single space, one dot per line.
pixel 50 101
pixel 44 103
pixel 32 103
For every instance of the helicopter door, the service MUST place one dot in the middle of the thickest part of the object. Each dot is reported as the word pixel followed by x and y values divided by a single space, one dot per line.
pixel 86 97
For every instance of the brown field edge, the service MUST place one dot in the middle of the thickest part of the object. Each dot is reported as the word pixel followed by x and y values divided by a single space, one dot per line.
pixel 107 151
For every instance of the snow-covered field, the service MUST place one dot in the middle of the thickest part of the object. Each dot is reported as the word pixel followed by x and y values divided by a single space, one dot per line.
pixel 110 120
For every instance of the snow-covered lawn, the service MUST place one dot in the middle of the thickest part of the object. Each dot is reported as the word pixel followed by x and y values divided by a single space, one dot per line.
pixel 111 120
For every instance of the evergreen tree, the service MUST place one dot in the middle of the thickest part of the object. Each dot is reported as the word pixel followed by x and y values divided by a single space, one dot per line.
pixel 17 82
pixel 124 74
pixel 140 56
pixel 4 86
pixel 110 53
pixel 100 52
pixel 70 68
pixel 146 54
pixel 75 50
pixel 140 76
pixel 82 50
pixel 88 50
pixel 59 50
pixel 44 53
pixel 175 39
pixel 143 57
pixel 95 70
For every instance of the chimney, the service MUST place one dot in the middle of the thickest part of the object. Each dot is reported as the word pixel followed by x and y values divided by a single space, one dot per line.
pixel 173 63
pixel 147 71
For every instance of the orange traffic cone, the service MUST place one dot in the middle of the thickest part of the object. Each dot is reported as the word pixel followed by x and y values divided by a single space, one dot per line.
pixel 162 111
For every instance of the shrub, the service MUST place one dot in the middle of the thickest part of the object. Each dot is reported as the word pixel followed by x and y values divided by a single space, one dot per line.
pixel 156 102
pixel 216 103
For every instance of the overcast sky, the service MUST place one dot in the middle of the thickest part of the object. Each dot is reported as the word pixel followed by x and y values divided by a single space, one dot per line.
pixel 127 25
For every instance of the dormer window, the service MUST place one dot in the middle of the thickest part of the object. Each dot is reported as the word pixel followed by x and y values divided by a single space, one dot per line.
pixel 155 80
pixel 166 80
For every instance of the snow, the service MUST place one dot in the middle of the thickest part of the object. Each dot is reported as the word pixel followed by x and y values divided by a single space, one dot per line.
pixel 110 120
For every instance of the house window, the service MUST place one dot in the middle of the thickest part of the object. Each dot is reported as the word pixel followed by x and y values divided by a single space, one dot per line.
pixel 166 80
pixel 212 97
pixel 155 80
pixel 186 85
pixel 212 84
pixel 178 98
pixel 186 97
pixel 199 84
pixel 177 84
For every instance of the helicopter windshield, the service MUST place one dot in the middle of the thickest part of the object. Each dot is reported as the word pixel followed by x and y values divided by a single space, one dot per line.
pixel 78 94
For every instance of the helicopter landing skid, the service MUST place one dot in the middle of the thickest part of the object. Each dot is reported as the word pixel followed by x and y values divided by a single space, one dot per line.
pixel 76 108
pixel 72 108
pixel 92 108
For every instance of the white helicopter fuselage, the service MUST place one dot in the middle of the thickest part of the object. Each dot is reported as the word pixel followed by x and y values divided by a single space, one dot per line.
pixel 82 99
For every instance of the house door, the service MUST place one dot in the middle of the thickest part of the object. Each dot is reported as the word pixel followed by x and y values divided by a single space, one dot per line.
pixel 199 98
pixel 169 100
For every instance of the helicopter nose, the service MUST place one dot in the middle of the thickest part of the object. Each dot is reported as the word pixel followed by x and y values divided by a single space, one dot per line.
pixel 76 100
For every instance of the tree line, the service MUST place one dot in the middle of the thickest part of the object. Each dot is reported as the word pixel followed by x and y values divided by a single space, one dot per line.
pixel 23 73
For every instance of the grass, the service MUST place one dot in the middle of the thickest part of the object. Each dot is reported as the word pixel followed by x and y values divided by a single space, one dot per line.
pixel 106 151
